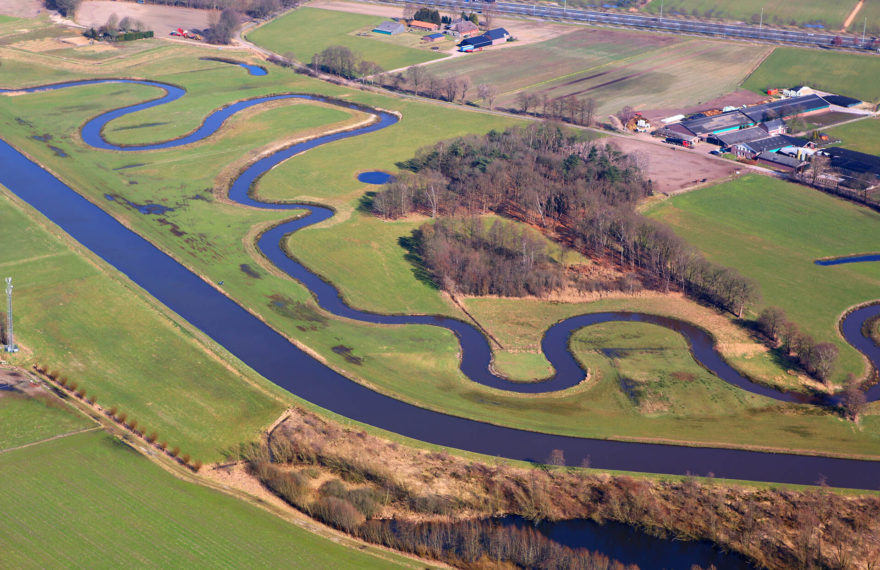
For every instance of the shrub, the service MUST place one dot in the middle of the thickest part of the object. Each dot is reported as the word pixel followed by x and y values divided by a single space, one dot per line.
pixel 81 394
pixel 333 488
pixel 112 411
pixel 197 465
pixel 185 458
pixel 72 386
pixel 132 425
pixel 337 512
pixel 152 437
pixel 163 446
pixel 365 500
pixel 121 417
pixel 175 451
pixel 63 381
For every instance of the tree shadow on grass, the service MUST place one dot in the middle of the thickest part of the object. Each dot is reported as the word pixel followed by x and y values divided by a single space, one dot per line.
pixel 414 257
pixel 365 203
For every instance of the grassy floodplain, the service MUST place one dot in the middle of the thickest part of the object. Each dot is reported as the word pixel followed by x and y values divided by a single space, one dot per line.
pixel 89 500
pixel 614 67
pixel 772 231
pixel 778 13
pixel 307 31
pixel 415 363
pixel 855 75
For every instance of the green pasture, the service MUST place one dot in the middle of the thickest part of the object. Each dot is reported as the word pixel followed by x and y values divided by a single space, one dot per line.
pixel 89 500
pixel 415 363
pixel 80 320
pixel 863 136
pixel 772 231
pixel 307 31
pixel 778 13
pixel 615 68
pixel 854 75
pixel 26 419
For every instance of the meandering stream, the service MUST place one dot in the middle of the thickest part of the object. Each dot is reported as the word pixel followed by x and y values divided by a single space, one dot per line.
pixel 271 355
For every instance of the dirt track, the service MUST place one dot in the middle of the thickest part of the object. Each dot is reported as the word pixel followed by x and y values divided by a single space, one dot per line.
pixel 672 168
pixel 161 19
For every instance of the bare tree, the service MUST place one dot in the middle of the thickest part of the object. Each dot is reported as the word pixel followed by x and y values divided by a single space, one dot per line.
pixel 487 93
pixel 416 76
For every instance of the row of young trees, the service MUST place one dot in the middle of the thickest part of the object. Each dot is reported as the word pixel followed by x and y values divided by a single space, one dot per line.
pixel 581 191
pixel 469 256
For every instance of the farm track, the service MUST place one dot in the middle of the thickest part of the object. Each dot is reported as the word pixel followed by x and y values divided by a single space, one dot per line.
pixel 274 357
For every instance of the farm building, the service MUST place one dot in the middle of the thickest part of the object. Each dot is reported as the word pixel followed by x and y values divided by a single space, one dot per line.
pixel 420 25
pixel 786 108
pixel 677 135
pixel 497 36
pixel 464 29
pixel 475 43
pixel 852 162
pixel 779 161
pixel 841 101
pixel 433 37
pixel 738 137
pixel 774 127
pixel 390 28
pixel 797 91
pixel 703 126
pixel 754 148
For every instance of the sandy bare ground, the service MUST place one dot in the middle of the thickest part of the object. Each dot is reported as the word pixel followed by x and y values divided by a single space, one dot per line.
pixel 161 19
pixel 526 32
pixel 21 8
pixel 673 168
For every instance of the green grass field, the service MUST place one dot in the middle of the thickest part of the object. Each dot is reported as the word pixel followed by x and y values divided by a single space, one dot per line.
pixel 26 420
pixel 307 31
pixel 855 75
pixel 772 231
pixel 90 501
pixel 863 136
pixel 615 68
pixel 778 13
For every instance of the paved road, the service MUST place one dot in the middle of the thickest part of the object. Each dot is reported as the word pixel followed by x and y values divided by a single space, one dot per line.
pixel 644 22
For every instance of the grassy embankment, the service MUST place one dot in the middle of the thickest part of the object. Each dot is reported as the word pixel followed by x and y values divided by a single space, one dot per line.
pixel 26 420
pixel 863 136
pixel 772 231
pixel 90 500
pixel 615 68
pixel 307 31
pixel 213 245
pixel 784 13
pixel 855 75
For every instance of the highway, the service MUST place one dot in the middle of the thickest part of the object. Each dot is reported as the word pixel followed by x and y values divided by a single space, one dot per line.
pixel 673 25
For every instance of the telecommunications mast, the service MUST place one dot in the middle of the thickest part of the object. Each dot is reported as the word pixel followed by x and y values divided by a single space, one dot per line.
pixel 10 339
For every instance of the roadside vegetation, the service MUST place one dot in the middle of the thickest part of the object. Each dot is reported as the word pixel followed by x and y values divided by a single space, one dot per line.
pixel 853 75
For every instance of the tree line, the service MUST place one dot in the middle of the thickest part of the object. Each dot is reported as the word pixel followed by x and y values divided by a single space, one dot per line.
pixel 469 256
pixel 581 192
pixel 817 358
pixel 341 61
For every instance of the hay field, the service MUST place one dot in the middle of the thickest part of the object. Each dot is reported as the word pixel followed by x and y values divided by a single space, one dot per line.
pixel 778 13
pixel 615 68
